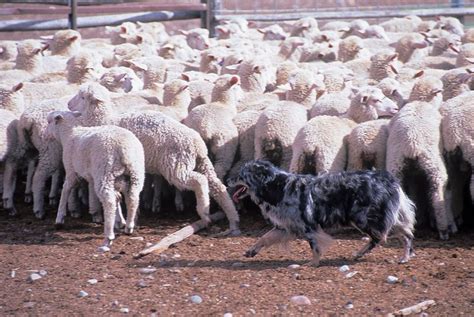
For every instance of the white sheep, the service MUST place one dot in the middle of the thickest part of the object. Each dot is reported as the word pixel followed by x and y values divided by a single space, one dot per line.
pixel 466 55
pixel 28 62
pixel 214 123
pixel 275 132
pixel 457 129
pixel 414 156
pixel 383 65
pixel 456 82
pixel 408 45
pixel 109 158
pixel 305 87
pixel 321 145
pixel 172 150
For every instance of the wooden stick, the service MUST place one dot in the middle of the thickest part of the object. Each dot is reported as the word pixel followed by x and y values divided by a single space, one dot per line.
pixel 415 309
pixel 179 235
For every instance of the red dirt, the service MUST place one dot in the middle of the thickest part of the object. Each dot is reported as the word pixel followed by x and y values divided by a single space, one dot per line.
pixel 215 269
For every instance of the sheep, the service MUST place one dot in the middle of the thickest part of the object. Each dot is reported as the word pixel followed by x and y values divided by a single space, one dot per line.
pixel 392 89
pixel 383 65
pixel 156 29
pixel 117 34
pixel 172 150
pixel 214 123
pixel 321 145
pixel 273 32
pixel 275 132
pixel 350 48
pixel 121 79
pixel 427 89
pixel 366 145
pixel 408 44
pixel 457 130
pixel 337 79
pixel 197 38
pixel 11 99
pixel 28 62
pixel 331 104
pixel 305 27
pixel 109 158
pixel 8 51
pixel 414 153
pixel 289 48
pixel 468 36
pixel 325 52
pixel 200 88
pixel 450 24
pixel 65 42
pixel 466 55
pixel 176 99
pixel 305 88
pixel 455 82
pixel 406 24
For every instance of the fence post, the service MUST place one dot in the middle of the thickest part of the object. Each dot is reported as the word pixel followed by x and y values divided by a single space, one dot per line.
pixel 204 16
pixel 72 16
pixel 213 6
pixel 458 4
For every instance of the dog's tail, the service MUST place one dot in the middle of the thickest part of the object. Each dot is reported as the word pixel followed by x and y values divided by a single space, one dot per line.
pixel 406 217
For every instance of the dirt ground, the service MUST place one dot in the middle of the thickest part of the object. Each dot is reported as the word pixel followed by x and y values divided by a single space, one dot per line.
pixel 215 270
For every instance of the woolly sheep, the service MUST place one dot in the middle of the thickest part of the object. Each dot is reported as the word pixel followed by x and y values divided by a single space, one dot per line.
pixel 176 99
pixel 406 24
pixel 466 55
pixel 275 132
pixel 197 38
pixel 350 48
pixel 118 33
pixel 121 79
pixel 304 27
pixel 273 32
pixel 65 42
pixel 457 129
pixel 321 144
pixel 172 150
pixel 8 50
pixel 408 44
pixel 455 82
pixel 450 24
pixel 414 149
pixel 214 123
pixel 108 157
pixel 28 62
pixel 383 65
pixel 427 89
pixel 305 88
pixel 468 36
pixel 392 89
pixel 331 104
pixel 11 99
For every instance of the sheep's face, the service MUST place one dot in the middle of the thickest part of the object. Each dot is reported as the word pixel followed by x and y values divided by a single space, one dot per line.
pixel 197 39
pixel 56 120
pixel 374 104
pixel 11 96
pixel 92 94
pixel 174 90
pixel 273 33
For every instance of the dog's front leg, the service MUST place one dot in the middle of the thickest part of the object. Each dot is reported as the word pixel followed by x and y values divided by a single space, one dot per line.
pixel 268 239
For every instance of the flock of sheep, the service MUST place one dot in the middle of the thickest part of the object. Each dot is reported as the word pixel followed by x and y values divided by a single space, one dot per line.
pixel 95 115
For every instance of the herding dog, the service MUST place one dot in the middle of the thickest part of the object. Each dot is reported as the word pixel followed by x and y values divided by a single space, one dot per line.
pixel 301 206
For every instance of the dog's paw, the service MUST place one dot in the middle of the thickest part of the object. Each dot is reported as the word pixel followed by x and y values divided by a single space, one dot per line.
pixel 250 253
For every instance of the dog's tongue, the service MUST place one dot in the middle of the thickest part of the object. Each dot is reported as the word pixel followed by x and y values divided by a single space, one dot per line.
pixel 235 196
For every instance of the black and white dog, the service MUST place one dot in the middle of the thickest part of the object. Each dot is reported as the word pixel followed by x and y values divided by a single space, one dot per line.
pixel 301 206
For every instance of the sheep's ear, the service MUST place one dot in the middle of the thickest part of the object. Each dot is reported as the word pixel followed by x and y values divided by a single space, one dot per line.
pixel 232 67
pixel 123 29
pixel 73 38
pixel 256 69
pixel 233 80
pixel 118 78
pixel 325 38
pixel 261 31
pixel 453 48
pixel 395 70
pixel 183 32
pixel 17 87
pixel 330 45
pixel 419 74
pixel 184 87
pixel 364 99
pixel 320 93
pixel 36 51
pixel 320 55
pixel 185 77
pixel 211 57
pixel 393 57
pixel 470 70
pixel 139 39
pixel 470 60
pixel 434 92
pixel 138 65
pixel 58 118
pixel 76 114
pixel 354 91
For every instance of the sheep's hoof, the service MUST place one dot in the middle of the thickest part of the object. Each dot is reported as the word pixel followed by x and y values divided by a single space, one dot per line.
pixel 128 231
pixel 311 264
pixel 250 253
pixel 230 233
pixel 403 260
pixel 28 198
pixel 53 201
pixel 119 225
pixel 103 249
pixel 97 218
pixel 75 214
pixel 11 212
pixel 40 214
pixel 59 225
pixel 452 228
pixel 443 234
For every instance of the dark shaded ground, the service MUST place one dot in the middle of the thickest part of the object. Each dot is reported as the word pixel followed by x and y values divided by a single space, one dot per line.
pixel 215 269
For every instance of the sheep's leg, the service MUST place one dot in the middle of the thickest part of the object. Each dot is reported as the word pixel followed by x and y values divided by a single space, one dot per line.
pixel 42 172
pixel 29 181
pixel 270 238
pixel 147 193
pixel 73 204
pixel 157 193
pixel 108 199
pixel 9 184
pixel 53 191
pixel 471 186
pixel 224 153
pixel 178 200
pixel 199 185
pixel 132 200
pixel 95 208
pixel 119 219
pixel 68 185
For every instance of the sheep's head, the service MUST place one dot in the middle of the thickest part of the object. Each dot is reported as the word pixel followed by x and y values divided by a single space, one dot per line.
pixel 65 42
pixel 427 89
pixel 391 89
pixel 466 55
pixel 197 39
pixel 176 90
pixel 58 119
pixel 226 88
pixel 89 95
pixel 83 67
pixel 11 98
pixel 370 103
pixel 121 79
pixel 383 65
pixel 273 32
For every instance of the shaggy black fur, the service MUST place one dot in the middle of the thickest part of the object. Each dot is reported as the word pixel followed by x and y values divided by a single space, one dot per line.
pixel 303 205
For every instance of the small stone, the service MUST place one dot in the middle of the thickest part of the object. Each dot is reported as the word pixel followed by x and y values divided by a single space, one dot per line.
pixel 92 281
pixel 103 249
pixel 294 266
pixel 237 264
pixel 124 310
pixel 148 244
pixel 175 271
pixel 196 299
pixel 13 274
pixel 176 256
pixel 392 279
pixel 137 238
pixel 43 273
pixel 300 300
pixel 83 294
pixel 328 281
pixel 116 257
pixel 142 284
pixel 244 285
pixel 252 311
pixel 351 274
pixel 366 239
pixel 147 270
pixel 349 305
pixel 115 303
pixel 29 304
pixel 228 315
pixel 424 314
pixel 34 277
pixel 296 276
pixel 344 268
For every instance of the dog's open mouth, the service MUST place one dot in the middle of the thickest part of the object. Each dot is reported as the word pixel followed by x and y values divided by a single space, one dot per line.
pixel 241 192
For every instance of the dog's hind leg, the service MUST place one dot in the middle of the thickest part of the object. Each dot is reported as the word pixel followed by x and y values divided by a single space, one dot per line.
pixel 270 238
pixel 319 241
pixel 374 241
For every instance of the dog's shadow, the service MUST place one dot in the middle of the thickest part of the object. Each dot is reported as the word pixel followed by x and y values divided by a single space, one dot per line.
pixel 248 264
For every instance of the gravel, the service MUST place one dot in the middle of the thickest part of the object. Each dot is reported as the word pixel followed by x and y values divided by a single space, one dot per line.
pixel 300 300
